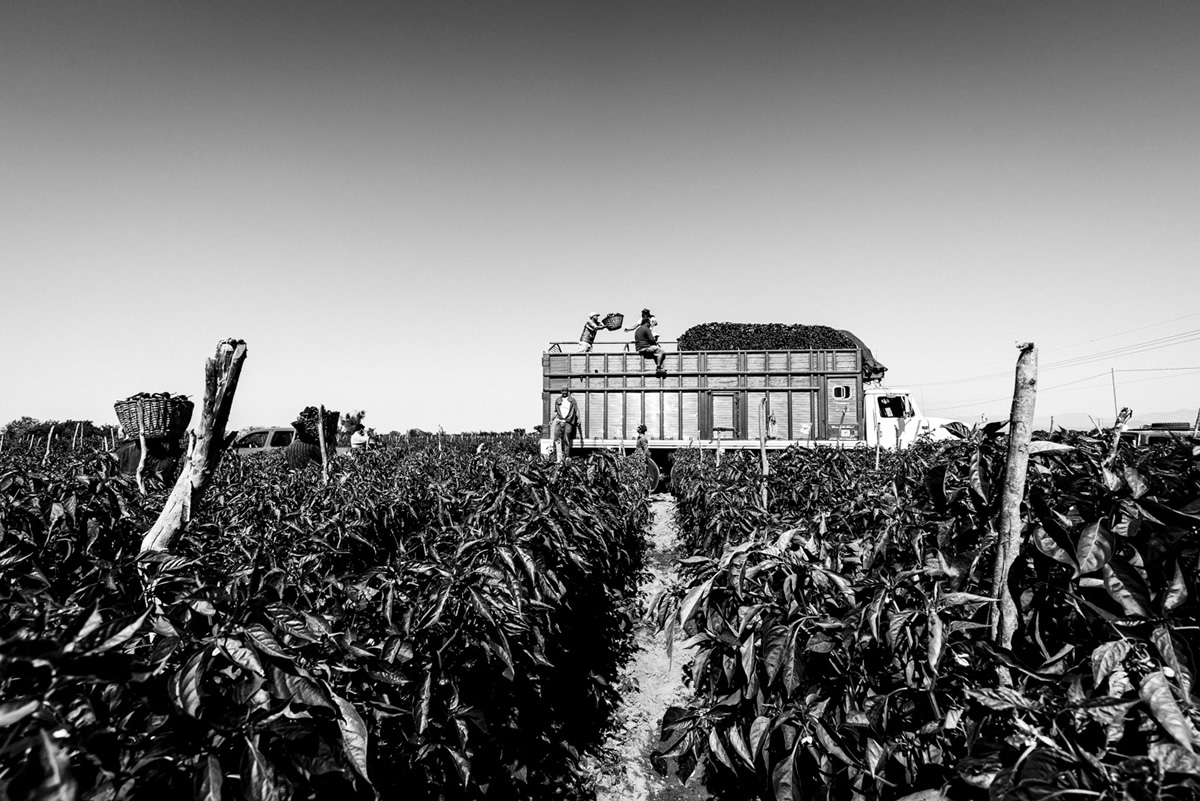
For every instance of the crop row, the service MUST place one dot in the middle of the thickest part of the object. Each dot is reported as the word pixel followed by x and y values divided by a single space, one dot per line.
pixel 432 624
pixel 843 646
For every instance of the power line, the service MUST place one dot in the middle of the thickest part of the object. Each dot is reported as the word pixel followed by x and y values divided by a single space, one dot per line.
pixel 1190 371
pixel 1127 350
pixel 1130 331
pixel 1009 397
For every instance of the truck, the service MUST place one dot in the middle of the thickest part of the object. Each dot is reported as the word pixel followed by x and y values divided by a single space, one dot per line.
pixel 729 399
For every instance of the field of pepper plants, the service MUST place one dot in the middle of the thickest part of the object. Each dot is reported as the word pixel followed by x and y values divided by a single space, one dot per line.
pixel 430 623
pixel 841 642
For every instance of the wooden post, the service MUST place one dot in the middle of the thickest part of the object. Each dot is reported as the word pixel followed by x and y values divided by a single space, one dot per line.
pixel 762 446
pixel 221 373
pixel 49 439
pixel 1196 425
pixel 1122 421
pixel 1020 430
pixel 878 438
pixel 141 468
pixel 321 439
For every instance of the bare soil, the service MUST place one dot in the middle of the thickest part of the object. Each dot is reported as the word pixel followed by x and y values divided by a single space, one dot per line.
pixel 651 682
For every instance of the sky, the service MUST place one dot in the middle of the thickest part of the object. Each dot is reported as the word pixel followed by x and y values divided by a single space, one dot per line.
pixel 398 205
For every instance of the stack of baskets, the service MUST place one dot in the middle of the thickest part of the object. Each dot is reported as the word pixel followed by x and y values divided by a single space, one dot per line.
pixel 613 321
pixel 162 415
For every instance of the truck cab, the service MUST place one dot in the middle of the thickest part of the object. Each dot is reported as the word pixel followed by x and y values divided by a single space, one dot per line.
pixel 894 421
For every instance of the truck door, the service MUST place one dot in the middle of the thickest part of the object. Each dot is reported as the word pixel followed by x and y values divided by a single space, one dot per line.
pixel 893 415
pixel 724 415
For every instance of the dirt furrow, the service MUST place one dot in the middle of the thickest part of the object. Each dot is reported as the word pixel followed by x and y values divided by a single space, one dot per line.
pixel 651 683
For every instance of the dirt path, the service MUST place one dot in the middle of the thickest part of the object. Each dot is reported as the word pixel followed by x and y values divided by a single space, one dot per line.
pixel 651 683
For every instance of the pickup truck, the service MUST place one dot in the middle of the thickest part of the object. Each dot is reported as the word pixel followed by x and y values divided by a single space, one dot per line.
pixel 730 399
pixel 261 440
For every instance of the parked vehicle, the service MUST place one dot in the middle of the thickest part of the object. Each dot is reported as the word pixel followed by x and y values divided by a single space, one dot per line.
pixel 731 399
pixel 260 440
pixel 1158 432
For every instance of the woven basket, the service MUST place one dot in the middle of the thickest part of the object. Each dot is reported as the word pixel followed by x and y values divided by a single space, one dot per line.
pixel 309 429
pixel 163 417
pixel 614 321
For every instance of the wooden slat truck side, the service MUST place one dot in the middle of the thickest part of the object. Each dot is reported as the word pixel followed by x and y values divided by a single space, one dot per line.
pixel 711 399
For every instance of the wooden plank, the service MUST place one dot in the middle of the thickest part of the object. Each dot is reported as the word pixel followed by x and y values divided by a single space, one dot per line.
pixel 777 402
pixel 777 362
pixel 724 381
pixel 722 363
pixel 670 417
pixel 803 423
pixel 756 421
pixel 723 409
pixel 653 402
pixel 845 361
pixel 757 381
pixel 690 424
pixel 756 362
pixel 633 412
pixel 616 416
pixel 595 415
pixel 560 363
pixel 689 363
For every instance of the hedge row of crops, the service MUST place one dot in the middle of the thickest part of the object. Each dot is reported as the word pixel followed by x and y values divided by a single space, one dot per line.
pixel 432 624
pixel 843 647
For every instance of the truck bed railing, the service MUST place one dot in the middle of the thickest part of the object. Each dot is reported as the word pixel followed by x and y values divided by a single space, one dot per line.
pixel 572 346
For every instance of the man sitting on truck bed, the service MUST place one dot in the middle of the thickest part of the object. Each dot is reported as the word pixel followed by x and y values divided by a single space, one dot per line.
pixel 647 345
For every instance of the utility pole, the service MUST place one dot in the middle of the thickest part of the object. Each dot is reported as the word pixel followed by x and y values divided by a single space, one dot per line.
pixel 1113 374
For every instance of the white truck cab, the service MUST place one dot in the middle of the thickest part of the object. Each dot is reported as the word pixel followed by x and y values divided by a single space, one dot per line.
pixel 894 421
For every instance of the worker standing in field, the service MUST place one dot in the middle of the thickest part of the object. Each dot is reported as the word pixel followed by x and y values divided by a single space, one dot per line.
pixel 645 341
pixel 360 439
pixel 643 442
pixel 304 450
pixel 588 337
pixel 563 423
pixel 163 457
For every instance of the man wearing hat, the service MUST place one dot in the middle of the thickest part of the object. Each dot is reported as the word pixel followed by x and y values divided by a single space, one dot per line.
pixel 588 337
pixel 563 422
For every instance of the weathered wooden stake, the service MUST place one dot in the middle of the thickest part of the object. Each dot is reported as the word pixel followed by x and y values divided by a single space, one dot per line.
pixel 49 439
pixel 141 482
pixel 321 439
pixel 1020 429
pixel 1118 427
pixel 221 373
pixel 762 447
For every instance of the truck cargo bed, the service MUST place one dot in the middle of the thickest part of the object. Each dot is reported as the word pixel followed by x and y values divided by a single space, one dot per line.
pixel 710 396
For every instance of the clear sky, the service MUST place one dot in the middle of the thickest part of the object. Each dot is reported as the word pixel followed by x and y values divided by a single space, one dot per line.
pixel 398 204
